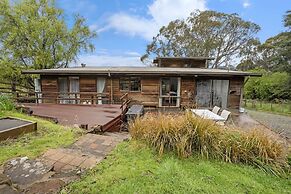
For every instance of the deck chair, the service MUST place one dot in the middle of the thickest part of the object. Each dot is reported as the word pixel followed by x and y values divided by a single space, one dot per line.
pixel 225 114
pixel 216 109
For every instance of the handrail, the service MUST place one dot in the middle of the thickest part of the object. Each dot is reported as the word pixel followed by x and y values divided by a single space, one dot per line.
pixel 124 96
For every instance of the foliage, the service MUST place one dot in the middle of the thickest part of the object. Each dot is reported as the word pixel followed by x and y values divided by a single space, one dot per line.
pixel 186 134
pixel 268 87
pixel 272 55
pixel 34 35
pixel 6 104
pixel 281 107
pixel 134 168
pixel 208 33
pixel 48 135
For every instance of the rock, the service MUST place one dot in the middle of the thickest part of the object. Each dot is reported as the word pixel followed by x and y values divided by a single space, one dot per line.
pixel 13 162
pixel 4 180
pixel 6 189
pixel 23 159
pixel 25 171
pixel 26 166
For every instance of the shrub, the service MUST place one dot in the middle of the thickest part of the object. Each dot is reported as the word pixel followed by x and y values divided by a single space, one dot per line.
pixel 186 134
pixel 6 103
pixel 269 87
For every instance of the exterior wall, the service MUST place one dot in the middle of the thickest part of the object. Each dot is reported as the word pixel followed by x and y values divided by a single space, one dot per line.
pixel 188 87
pixel 148 96
pixel 49 85
pixel 235 92
pixel 87 84
pixel 150 89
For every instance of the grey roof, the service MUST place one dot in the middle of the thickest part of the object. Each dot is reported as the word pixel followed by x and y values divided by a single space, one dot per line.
pixel 139 71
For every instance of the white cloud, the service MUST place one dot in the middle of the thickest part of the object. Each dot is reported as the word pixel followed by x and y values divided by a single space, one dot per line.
pixel 246 4
pixel 160 13
pixel 109 60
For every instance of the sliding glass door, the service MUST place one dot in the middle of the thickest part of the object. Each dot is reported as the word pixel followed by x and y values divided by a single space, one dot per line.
pixel 69 88
pixel 170 92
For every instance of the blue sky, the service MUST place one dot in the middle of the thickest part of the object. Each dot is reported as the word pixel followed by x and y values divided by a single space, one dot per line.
pixel 125 27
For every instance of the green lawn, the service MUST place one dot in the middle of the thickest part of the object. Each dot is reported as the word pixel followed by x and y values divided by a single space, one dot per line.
pixel 48 135
pixel 279 108
pixel 134 168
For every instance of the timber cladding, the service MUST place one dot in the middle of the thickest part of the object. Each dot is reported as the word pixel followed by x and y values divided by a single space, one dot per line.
pixel 235 92
pixel 188 87
pixel 149 93
pixel 49 85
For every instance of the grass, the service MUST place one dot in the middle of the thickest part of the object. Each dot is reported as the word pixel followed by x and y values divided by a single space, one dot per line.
pixel 48 135
pixel 135 168
pixel 278 108
pixel 186 135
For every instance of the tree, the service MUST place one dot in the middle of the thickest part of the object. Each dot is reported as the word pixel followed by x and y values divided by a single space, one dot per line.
pixel 34 35
pixel 208 33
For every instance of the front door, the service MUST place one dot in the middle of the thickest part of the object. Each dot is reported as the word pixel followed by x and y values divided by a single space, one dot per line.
pixel 170 92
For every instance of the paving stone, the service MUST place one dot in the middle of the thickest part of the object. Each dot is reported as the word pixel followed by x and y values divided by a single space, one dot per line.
pixel 49 186
pixel 59 155
pixel 89 163
pixel 67 159
pixel 78 161
pixel 50 152
pixel 58 166
pixel 36 176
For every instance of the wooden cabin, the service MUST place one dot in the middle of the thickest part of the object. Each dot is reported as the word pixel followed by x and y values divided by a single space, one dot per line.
pixel 172 82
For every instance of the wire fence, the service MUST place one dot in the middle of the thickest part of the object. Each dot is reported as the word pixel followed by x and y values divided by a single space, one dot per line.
pixel 279 106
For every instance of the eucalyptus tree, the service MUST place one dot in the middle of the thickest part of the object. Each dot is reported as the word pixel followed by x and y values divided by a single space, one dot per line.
pixel 208 33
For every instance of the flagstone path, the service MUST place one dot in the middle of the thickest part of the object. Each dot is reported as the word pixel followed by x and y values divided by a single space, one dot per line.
pixel 57 167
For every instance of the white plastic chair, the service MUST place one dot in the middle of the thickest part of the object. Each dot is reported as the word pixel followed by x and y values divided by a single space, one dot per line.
pixel 216 109
pixel 225 114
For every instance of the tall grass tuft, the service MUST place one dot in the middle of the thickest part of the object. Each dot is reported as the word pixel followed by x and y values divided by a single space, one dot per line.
pixel 6 103
pixel 186 134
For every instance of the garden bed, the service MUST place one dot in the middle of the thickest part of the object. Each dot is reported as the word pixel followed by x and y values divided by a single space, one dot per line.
pixel 13 127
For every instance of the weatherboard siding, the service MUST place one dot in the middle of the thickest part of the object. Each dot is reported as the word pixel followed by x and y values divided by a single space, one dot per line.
pixel 149 93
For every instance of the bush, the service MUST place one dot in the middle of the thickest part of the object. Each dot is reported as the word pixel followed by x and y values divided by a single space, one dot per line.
pixel 6 103
pixel 269 87
pixel 186 134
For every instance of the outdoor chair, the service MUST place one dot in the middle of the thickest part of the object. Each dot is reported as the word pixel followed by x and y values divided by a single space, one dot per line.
pixel 216 109
pixel 225 114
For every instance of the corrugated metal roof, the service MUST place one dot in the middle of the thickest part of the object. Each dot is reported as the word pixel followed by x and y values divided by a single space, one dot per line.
pixel 140 71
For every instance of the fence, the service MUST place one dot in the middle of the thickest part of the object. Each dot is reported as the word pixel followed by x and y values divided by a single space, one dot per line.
pixel 280 106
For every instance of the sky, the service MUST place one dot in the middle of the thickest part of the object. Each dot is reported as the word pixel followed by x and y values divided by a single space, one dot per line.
pixel 125 27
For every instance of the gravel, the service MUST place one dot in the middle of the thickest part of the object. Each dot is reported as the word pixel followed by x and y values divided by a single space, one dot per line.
pixel 278 123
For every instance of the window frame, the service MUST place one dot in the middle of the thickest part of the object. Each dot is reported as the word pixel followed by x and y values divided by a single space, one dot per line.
pixel 130 81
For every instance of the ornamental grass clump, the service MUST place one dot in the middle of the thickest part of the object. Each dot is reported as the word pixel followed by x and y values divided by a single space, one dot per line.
pixel 186 134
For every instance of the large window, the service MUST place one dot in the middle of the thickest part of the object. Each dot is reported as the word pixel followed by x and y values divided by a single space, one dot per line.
pixel 131 84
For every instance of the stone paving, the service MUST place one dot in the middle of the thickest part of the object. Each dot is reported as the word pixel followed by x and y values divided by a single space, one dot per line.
pixel 57 167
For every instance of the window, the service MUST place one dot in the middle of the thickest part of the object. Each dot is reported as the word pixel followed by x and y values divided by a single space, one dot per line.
pixel 131 84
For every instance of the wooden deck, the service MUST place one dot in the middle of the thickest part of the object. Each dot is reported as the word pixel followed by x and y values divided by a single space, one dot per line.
pixel 106 116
